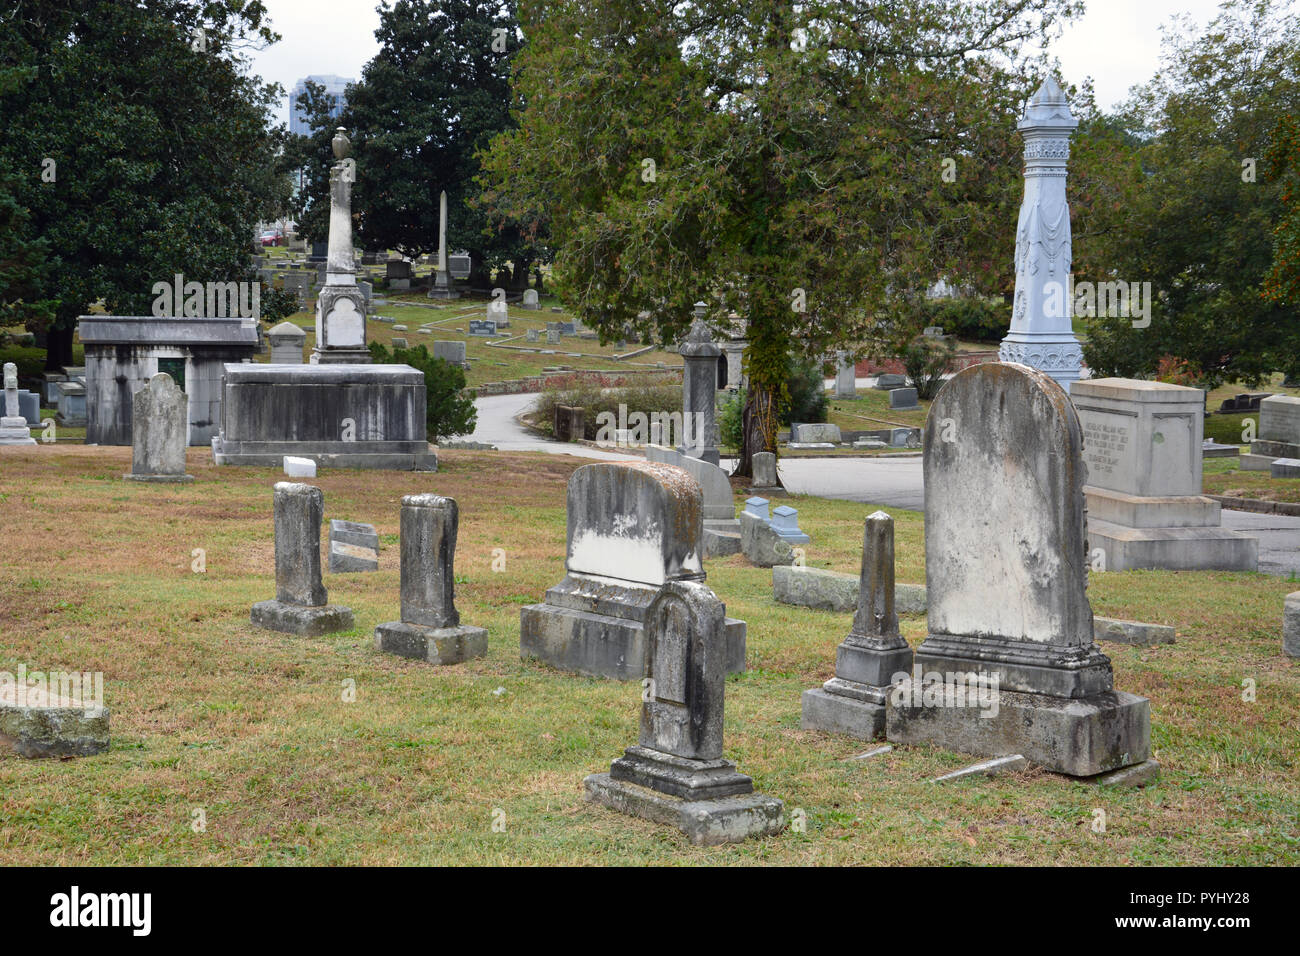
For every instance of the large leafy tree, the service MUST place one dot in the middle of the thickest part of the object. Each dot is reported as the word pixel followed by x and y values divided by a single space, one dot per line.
pixel 430 100
pixel 1198 221
pixel 785 161
pixel 1282 285
pixel 139 146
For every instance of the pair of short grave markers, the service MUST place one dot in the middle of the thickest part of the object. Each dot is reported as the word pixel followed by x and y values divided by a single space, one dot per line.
pixel 429 629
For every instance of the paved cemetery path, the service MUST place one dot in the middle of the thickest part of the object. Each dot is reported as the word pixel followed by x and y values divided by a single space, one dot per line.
pixel 894 482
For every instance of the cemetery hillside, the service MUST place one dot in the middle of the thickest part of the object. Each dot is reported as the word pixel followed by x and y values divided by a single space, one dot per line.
pixel 577 434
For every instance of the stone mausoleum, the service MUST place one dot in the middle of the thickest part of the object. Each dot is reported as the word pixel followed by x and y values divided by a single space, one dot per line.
pixel 340 410
pixel 123 352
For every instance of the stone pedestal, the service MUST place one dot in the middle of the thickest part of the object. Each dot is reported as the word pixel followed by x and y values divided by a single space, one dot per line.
pixel 676 774
pixel 1142 448
pixel 159 432
pixel 846 385
pixel 299 606
pixel 13 426
pixel 442 287
pixel 873 655
pixel 632 528
pixel 1006 576
pixel 1279 433
pixel 430 628
pixel 700 391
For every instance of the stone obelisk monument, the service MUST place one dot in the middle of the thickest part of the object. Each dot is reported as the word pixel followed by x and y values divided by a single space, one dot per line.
pixel 340 306
pixel 442 279
pixel 1041 335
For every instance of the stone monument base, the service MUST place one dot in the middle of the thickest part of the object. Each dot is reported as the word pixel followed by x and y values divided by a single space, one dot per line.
pixel 845 707
pixel 50 726
pixel 708 800
pixel 721 537
pixel 270 411
pixel 160 479
pixel 437 645
pixel 14 431
pixel 595 627
pixel 1080 737
pixel 301 620
pixel 1173 549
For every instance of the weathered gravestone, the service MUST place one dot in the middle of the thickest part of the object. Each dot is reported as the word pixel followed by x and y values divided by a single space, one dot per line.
pixel 287 342
pixel 430 628
pixel 676 774
pixel 553 336
pixel 29 407
pixel 530 335
pixel 632 528
pixel 482 327
pixel 52 715
pixel 873 655
pixel 1291 624
pixel 353 547
pixel 1279 433
pixel 765 478
pixel 846 383
pixel 901 399
pixel 13 427
pixel 1142 445
pixel 530 300
pixel 160 432
pixel 570 423
pixel 700 391
pixel 299 606
pixel 450 351
pixel 721 529
pixel 1006 578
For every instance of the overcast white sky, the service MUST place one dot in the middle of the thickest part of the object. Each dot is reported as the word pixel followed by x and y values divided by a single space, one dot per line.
pixel 1117 42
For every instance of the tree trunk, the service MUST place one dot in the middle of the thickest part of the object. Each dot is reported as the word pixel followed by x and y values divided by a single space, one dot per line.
pixel 58 346
pixel 519 276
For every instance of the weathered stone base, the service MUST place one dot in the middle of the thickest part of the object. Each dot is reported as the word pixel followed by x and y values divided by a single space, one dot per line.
pixel 1081 737
pixel 14 431
pixel 373 455
pixel 436 645
pixel 298 619
pixel 840 714
pixel 1252 462
pixel 1173 549
pixel 705 822
pixel 62 728
pixel 160 479
pixel 1130 632
pixel 826 590
pixel 720 543
pixel 1138 775
pixel 594 627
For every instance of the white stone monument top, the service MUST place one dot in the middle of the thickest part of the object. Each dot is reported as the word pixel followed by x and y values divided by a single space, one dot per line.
pixel 11 390
pixel 1041 334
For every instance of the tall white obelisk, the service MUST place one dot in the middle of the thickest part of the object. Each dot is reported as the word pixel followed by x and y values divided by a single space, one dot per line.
pixel 442 280
pixel 1041 335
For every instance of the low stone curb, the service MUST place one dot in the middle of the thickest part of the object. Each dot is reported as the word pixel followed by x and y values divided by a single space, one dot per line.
pixel 1258 505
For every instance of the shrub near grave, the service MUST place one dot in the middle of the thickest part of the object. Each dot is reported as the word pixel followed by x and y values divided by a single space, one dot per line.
pixel 450 410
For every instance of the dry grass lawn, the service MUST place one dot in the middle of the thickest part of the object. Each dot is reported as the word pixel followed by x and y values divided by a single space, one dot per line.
pixel 251 728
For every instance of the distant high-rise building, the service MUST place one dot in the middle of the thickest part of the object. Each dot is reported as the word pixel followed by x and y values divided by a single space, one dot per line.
pixel 335 89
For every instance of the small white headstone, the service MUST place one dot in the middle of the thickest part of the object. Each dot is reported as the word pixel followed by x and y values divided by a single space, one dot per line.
pixel 299 467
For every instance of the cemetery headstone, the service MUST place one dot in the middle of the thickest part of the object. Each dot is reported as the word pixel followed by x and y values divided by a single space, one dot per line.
pixel 72 404
pixel 846 385
pixel 721 528
pixel 1143 449
pixel 815 434
pixel 450 351
pixel 700 391
pixel 1006 580
pixel 901 399
pixel 430 628
pixel 531 335
pixel 676 773
pixel 13 426
pixel 530 300
pixel 160 432
pixel 399 342
pixel 553 336
pixel 482 327
pixel 1279 433
pixel 354 547
pixel 29 407
pixel 300 604
pixel 287 342
pixel 1291 625
pixel 867 660
pixel 632 527
pixel 890 380
pixel 296 467
pixel 765 478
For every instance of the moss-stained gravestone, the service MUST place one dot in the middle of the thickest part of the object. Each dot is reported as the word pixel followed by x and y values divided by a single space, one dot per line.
pixel 1006 581
pixel 38 720
pixel 676 774
pixel 633 527
pixel 300 604
pixel 160 432
pixel 430 628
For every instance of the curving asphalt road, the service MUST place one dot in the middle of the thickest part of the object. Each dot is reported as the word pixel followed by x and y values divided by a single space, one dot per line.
pixel 895 482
